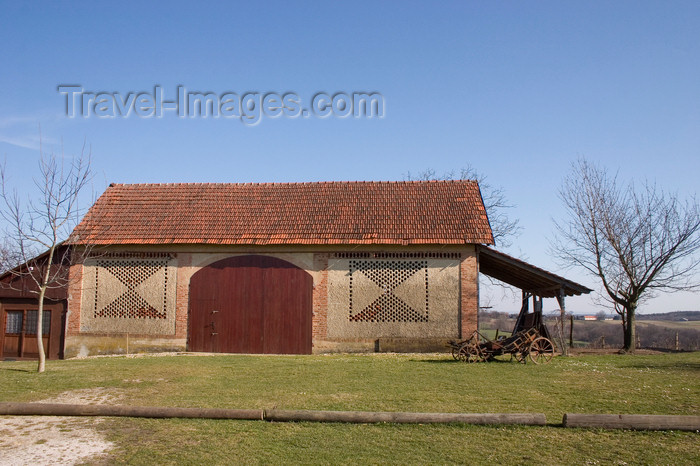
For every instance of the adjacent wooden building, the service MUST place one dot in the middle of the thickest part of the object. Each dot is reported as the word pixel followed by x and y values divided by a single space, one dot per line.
pixel 19 313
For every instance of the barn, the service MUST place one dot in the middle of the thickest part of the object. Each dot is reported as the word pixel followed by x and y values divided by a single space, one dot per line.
pixel 283 268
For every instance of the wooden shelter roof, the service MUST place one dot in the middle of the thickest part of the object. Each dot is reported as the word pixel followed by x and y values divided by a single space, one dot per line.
pixel 525 276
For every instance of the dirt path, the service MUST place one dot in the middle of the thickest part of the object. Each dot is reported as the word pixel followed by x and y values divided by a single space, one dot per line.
pixel 56 440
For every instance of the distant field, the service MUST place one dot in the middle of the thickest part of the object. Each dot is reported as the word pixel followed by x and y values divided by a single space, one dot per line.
pixel 651 333
pixel 658 384
pixel 694 324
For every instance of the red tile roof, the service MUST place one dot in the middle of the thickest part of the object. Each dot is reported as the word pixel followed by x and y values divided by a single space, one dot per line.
pixel 411 212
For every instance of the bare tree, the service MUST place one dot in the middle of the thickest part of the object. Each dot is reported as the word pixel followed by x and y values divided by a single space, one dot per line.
pixel 38 225
pixel 637 241
pixel 504 228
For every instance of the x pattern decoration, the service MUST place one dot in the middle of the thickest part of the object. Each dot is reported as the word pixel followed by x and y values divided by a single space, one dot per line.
pixel 140 285
pixel 388 291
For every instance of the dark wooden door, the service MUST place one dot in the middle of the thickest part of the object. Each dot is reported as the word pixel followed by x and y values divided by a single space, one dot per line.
pixel 251 304
pixel 18 333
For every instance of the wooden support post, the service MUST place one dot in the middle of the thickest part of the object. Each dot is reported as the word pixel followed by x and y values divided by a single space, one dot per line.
pixel 523 311
pixel 536 303
pixel 571 331
pixel 562 314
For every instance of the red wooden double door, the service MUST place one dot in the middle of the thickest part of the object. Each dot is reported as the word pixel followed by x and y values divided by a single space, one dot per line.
pixel 250 304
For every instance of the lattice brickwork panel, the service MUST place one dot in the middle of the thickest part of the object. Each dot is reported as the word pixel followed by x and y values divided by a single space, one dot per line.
pixel 132 293
pixel 394 280
pixel 398 255
pixel 135 302
pixel 393 294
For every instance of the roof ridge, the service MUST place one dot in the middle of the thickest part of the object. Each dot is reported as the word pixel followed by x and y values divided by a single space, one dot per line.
pixel 296 183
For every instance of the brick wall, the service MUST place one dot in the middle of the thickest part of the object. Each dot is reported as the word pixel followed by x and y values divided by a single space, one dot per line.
pixel 182 294
pixel 469 293
pixel 75 286
pixel 320 298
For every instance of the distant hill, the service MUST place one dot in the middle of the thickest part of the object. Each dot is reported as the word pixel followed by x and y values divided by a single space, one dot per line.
pixel 671 316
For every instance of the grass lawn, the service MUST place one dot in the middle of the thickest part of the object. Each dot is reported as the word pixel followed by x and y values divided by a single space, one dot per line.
pixel 649 384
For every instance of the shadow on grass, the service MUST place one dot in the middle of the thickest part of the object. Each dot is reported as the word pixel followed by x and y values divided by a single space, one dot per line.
pixel 436 361
pixel 457 361
pixel 13 369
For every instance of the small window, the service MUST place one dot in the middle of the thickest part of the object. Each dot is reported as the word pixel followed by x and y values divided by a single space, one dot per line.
pixel 31 323
pixel 13 322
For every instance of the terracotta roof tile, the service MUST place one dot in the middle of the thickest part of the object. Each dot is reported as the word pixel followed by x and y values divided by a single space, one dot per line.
pixel 413 212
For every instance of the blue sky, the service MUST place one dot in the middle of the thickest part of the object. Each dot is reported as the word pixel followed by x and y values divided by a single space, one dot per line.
pixel 518 90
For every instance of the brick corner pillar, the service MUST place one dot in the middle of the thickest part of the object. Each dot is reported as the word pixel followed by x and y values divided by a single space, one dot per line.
pixel 75 293
pixel 320 298
pixel 182 294
pixel 469 292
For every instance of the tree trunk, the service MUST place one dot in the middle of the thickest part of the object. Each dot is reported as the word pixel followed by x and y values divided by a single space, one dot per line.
pixel 40 312
pixel 630 330
pixel 40 332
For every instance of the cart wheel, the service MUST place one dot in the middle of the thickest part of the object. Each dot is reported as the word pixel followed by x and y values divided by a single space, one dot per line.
pixel 478 354
pixel 460 353
pixel 471 353
pixel 464 352
pixel 541 350
pixel 520 357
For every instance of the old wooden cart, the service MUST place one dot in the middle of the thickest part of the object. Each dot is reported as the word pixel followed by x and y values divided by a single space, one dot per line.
pixel 529 340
